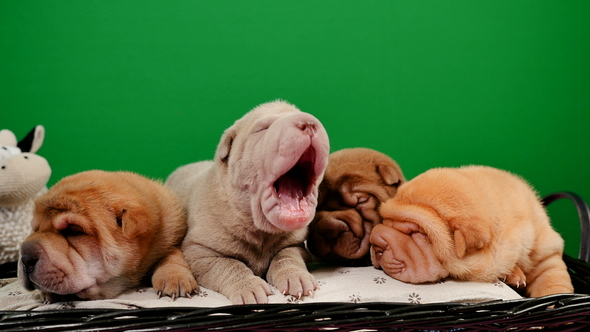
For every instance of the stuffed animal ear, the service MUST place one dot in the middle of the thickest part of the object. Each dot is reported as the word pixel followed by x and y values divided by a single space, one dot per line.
pixel 7 138
pixel 225 144
pixel 389 174
pixel 33 141
pixel 133 221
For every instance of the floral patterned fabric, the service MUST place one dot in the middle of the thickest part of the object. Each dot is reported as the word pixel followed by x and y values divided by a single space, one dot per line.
pixel 337 284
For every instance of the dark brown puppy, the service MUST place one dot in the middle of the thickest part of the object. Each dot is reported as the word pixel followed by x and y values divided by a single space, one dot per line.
pixel 356 181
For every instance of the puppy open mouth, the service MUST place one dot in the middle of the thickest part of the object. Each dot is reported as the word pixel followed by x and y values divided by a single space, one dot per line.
pixel 293 189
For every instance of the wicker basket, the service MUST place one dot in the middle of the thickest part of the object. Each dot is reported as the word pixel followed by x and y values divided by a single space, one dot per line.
pixel 564 312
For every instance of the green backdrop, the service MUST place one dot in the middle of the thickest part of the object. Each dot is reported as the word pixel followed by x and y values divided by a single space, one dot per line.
pixel 148 86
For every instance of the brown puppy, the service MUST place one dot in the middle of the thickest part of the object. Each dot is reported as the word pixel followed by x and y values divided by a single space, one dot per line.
pixel 249 208
pixel 356 181
pixel 472 223
pixel 97 234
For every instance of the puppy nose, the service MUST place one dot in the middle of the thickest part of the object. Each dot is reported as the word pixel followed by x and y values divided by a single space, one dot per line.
pixel 29 262
pixel 307 126
pixel 29 256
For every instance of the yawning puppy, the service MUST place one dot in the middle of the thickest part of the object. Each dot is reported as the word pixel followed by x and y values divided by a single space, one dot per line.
pixel 249 208
pixel 472 223
pixel 356 181
pixel 97 234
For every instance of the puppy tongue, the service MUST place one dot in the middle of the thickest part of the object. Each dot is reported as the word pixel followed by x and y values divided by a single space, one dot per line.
pixel 294 209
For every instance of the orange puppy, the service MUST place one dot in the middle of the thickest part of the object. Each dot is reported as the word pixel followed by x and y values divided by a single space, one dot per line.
pixel 472 223
pixel 97 234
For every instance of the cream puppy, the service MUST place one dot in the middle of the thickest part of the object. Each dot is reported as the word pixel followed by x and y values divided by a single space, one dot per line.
pixel 249 208
pixel 472 223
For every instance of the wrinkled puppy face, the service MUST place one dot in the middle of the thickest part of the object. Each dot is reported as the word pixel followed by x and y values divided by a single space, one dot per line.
pixel 83 242
pixel 355 182
pixel 404 249
pixel 274 159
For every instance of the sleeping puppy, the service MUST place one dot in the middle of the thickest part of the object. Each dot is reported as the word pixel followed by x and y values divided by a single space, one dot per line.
pixel 249 208
pixel 472 223
pixel 98 234
pixel 356 181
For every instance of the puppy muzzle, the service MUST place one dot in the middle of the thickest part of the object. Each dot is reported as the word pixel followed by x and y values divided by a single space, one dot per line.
pixel 28 261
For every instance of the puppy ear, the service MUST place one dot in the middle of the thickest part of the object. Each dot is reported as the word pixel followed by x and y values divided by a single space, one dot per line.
pixel 460 245
pixel 133 221
pixel 225 144
pixel 470 239
pixel 389 174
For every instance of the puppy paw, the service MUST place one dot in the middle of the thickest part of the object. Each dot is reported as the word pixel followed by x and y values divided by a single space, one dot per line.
pixel 294 281
pixel 173 277
pixel 174 282
pixel 250 290
pixel 516 278
pixel 48 298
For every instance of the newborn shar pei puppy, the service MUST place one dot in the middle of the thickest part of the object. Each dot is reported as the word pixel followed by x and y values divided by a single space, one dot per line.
pixel 356 181
pixel 472 223
pixel 249 208
pixel 97 234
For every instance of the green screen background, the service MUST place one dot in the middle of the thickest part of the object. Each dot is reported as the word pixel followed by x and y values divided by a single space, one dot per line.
pixel 148 86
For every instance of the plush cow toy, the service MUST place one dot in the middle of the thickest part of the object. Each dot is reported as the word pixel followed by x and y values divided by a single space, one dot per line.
pixel 23 178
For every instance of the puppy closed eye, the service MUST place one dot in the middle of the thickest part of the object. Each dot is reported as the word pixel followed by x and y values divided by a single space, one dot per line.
pixel 54 211
pixel 73 230
pixel 363 199
pixel 58 210
pixel 263 125
pixel 359 200
pixel 261 128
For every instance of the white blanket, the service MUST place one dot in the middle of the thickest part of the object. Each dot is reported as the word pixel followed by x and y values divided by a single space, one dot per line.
pixel 337 284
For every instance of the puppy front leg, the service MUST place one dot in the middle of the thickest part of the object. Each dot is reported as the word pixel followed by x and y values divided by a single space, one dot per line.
pixel 173 277
pixel 228 276
pixel 289 274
